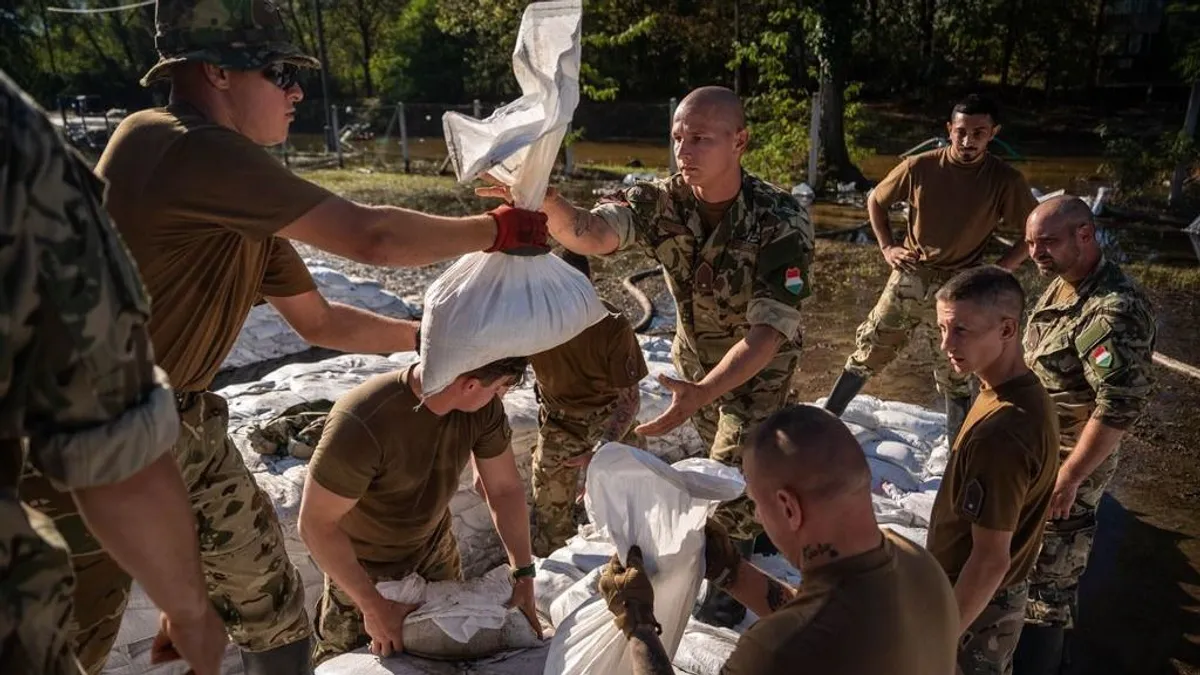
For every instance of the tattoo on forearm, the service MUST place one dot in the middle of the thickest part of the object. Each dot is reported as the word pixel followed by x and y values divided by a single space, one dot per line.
pixel 778 595
pixel 649 656
pixel 583 223
pixel 812 551
pixel 623 415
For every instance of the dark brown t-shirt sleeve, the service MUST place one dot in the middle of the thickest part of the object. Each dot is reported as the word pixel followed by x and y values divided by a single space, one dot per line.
pixel 215 175
pixel 347 458
pixel 999 472
pixel 496 436
pixel 626 364
pixel 286 273
pixel 896 186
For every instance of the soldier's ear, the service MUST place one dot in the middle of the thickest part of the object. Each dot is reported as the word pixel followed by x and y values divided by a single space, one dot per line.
pixel 1008 328
pixel 741 140
pixel 216 76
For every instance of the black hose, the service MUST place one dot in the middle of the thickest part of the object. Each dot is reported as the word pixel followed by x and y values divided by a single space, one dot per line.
pixel 629 283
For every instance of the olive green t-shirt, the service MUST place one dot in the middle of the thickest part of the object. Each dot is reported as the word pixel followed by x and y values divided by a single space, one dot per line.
pixel 890 610
pixel 954 208
pixel 401 462
pixel 584 374
pixel 1000 476
pixel 198 205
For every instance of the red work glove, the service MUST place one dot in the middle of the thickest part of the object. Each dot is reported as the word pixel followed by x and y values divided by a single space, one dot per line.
pixel 519 232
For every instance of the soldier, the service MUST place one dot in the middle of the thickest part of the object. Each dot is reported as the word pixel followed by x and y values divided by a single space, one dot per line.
pixel 736 252
pixel 957 196
pixel 1089 340
pixel 588 395
pixel 376 500
pixel 79 393
pixel 987 517
pixel 207 213
pixel 852 613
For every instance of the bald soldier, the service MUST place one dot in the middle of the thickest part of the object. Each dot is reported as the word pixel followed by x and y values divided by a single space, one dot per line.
pixel 987 518
pixel 957 197
pixel 81 400
pixel 736 252
pixel 208 214
pixel 853 612
pixel 1089 340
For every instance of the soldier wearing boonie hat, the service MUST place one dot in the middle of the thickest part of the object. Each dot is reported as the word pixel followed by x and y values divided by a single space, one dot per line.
pixel 207 214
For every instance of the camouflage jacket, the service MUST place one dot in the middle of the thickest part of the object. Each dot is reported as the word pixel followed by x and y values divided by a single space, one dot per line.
pixel 1092 352
pixel 77 374
pixel 753 268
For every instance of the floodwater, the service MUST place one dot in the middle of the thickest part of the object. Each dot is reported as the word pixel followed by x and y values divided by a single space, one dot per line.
pixel 1127 237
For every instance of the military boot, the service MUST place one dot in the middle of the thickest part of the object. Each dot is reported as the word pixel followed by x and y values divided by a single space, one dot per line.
pixel 1039 650
pixel 844 391
pixel 293 659
pixel 956 412
pixel 718 608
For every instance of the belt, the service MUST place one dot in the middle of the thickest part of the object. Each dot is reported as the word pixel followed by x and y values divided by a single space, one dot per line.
pixel 186 399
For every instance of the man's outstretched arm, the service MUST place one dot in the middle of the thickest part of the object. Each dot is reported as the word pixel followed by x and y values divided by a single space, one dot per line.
pixel 577 229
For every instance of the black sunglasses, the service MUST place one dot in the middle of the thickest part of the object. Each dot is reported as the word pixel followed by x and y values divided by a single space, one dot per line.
pixel 282 75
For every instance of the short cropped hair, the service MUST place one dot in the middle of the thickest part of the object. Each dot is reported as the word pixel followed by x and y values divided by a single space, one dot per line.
pixel 811 451
pixel 513 367
pixel 974 104
pixel 987 286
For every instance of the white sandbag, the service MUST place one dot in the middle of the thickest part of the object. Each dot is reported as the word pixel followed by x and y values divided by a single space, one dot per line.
pixel 900 454
pixel 587 550
pixel 704 648
pixel 460 619
pixel 884 471
pixel 553 579
pixel 915 410
pixel 637 499
pixel 518 142
pixel 897 420
pixel 363 662
pixel 490 306
pixel 574 597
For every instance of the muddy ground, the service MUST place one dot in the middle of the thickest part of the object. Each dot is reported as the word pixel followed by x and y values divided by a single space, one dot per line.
pixel 1140 603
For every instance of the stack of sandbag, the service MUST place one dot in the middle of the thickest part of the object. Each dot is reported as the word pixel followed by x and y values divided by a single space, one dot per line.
pixel 490 306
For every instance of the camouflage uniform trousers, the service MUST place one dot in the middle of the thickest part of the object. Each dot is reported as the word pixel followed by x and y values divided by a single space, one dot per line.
pixel 906 305
pixel 988 645
pixel 724 425
pixel 562 437
pixel 253 585
pixel 1054 581
pixel 339 623
pixel 35 606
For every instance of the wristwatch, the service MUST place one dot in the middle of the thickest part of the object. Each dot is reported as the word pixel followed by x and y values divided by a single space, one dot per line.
pixel 520 572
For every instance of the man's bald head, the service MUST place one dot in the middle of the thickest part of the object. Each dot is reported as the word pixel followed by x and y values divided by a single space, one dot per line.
pixel 716 103
pixel 1061 236
pixel 808 450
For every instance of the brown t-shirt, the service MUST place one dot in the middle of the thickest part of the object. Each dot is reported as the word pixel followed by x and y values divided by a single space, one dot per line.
pixel 198 205
pixel 402 463
pixel 954 208
pixel 585 374
pixel 1001 475
pixel 711 213
pixel 890 610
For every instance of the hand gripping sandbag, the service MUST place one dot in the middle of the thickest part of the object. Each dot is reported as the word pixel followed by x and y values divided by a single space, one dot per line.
pixel 490 306
pixel 460 620
pixel 518 142
pixel 637 498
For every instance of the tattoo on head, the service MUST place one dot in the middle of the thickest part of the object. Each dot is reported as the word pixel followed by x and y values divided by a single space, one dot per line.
pixel 812 551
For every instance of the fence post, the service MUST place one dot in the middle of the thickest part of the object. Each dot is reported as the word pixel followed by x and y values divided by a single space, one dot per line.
pixel 476 109
pixel 337 136
pixel 814 141
pixel 403 135
pixel 569 155
pixel 674 103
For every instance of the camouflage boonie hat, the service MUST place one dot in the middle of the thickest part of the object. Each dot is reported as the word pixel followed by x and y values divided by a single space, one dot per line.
pixel 233 34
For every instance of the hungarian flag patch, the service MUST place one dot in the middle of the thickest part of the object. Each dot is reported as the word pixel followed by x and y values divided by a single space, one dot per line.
pixel 1102 357
pixel 793 281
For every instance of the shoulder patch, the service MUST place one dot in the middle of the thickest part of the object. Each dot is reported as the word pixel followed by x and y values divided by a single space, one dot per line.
pixel 1104 357
pixel 793 280
pixel 972 499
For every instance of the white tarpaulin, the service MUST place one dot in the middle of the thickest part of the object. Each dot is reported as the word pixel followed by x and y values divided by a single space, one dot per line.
pixel 634 498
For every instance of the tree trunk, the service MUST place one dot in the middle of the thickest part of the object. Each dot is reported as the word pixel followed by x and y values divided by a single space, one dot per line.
pixel 1010 41
pixel 928 10
pixel 836 155
pixel 1097 35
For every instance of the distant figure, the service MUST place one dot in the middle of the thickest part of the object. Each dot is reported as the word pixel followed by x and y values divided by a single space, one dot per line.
pixel 1089 340
pixel 868 601
pixel 737 253
pixel 588 395
pixel 987 518
pixel 957 196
